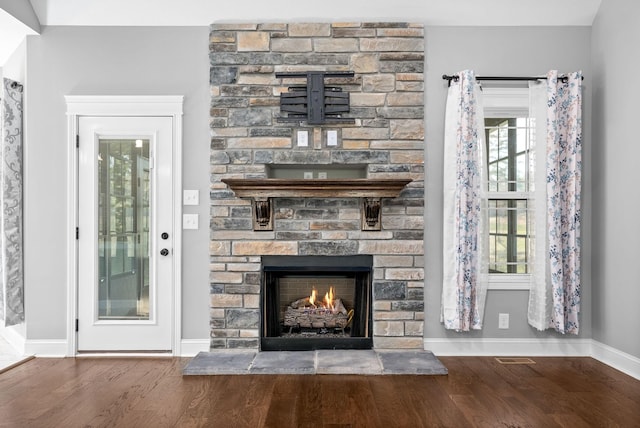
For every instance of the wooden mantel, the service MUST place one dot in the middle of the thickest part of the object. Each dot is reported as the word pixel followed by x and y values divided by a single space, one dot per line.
pixel 262 190
pixel 316 188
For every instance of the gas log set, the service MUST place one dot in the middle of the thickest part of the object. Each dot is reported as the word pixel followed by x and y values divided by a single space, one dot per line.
pixel 311 315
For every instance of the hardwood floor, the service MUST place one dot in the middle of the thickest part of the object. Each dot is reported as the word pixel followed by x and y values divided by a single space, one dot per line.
pixel 478 392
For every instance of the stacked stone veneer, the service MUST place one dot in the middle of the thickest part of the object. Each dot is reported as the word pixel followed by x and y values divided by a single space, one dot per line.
pixel 387 102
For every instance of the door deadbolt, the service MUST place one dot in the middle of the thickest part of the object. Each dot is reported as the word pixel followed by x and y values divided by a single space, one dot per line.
pixel 164 235
pixel 164 252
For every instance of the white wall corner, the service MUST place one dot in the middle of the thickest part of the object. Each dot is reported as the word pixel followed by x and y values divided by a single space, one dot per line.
pixel 14 337
pixel 191 347
pixel 615 358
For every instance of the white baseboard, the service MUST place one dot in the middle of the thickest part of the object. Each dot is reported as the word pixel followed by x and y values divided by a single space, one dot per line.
pixel 617 359
pixel 509 347
pixel 191 347
pixel 47 348
pixel 59 348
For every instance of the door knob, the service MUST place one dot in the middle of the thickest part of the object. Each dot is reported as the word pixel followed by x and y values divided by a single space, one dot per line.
pixel 164 252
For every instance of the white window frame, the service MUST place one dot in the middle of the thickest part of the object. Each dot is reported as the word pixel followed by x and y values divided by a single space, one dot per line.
pixel 507 102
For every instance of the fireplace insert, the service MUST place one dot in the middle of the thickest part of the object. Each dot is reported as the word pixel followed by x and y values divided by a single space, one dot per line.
pixel 316 302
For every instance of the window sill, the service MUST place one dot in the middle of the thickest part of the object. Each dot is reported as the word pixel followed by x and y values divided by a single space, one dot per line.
pixel 520 282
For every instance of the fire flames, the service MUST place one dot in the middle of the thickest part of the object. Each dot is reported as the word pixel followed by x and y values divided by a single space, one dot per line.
pixel 328 302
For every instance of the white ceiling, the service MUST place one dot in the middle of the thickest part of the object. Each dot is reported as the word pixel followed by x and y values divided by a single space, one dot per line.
pixel 204 12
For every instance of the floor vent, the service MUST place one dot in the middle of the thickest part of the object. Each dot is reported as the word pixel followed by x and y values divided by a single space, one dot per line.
pixel 503 360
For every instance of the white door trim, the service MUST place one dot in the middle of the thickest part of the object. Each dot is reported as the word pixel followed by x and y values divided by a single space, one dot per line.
pixel 126 105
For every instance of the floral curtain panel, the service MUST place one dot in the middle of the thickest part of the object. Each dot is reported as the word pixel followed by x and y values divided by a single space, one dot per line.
pixel 554 300
pixel 12 296
pixel 465 268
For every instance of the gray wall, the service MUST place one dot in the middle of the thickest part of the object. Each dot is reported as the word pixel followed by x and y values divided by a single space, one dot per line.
pixel 108 61
pixel 76 60
pixel 497 51
pixel 616 150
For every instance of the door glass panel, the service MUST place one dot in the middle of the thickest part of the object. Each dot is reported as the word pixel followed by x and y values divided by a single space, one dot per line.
pixel 123 235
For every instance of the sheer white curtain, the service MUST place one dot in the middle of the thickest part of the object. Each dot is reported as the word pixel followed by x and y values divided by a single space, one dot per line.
pixel 539 312
pixel 465 267
pixel 12 296
pixel 555 294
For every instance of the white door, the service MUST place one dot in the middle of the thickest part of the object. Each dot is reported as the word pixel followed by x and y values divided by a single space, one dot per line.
pixel 125 218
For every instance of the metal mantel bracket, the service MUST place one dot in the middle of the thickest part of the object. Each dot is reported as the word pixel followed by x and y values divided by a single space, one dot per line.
pixel 371 213
pixel 262 214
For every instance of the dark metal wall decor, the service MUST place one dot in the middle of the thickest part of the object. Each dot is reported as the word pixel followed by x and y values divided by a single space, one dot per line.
pixel 314 102
pixel 263 214
pixel 371 213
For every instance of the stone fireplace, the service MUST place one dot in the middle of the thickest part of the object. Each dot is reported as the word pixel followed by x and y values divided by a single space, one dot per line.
pixel 316 184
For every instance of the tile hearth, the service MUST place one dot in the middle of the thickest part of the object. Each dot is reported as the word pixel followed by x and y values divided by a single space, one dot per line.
pixel 357 362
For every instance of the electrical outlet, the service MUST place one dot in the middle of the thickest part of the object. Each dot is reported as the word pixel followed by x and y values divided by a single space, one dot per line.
pixel 303 139
pixel 332 137
pixel 322 175
pixel 503 321
pixel 307 175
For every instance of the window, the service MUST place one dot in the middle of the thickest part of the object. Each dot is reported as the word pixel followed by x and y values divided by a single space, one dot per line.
pixel 509 138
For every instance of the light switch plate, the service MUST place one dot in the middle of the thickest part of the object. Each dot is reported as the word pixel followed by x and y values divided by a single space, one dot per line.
pixel 190 221
pixel 332 137
pixel 190 197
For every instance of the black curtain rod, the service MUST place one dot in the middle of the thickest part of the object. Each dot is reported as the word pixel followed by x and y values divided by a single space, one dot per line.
pixel 448 78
